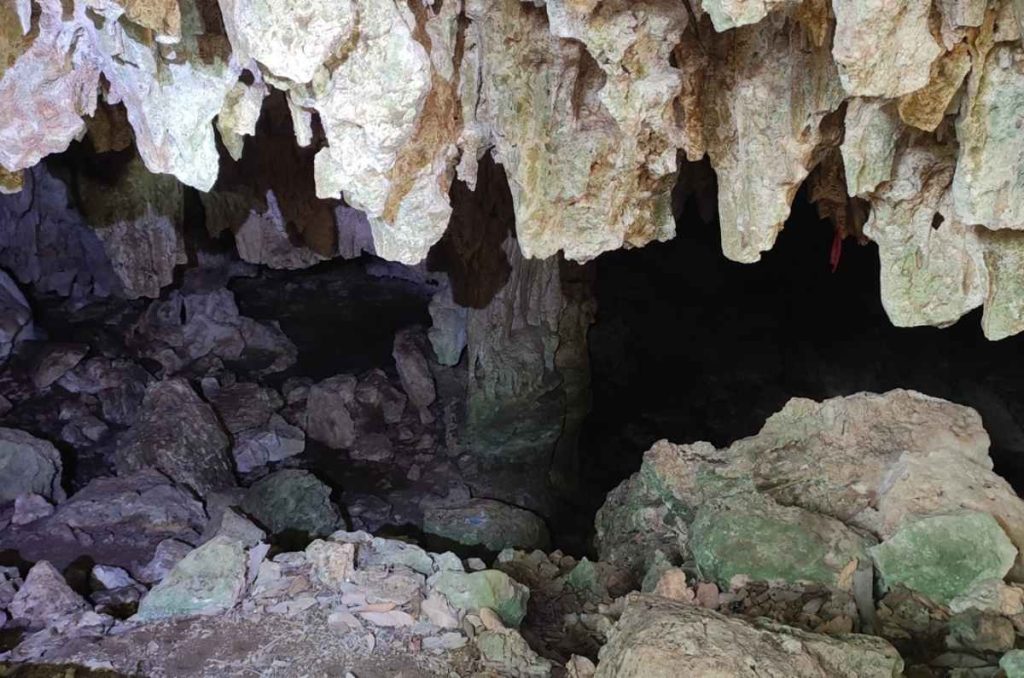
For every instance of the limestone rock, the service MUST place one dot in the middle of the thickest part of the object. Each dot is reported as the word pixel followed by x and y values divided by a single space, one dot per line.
pixel 507 652
pixel 54 361
pixel 945 556
pixel 987 185
pixel 489 523
pixel 726 14
pixel 1004 308
pixel 414 370
pixel 580 114
pixel 263 239
pixel 869 143
pixel 167 555
pixel 15 316
pixel 292 500
pixel 28 464
pixel 29 508
pixel 933 267
pixel 331 562
pixel 884 49
pixel 764 126
pixel 209 580
pixel 178 434
pixel 233 525
pixel 489 588
pixel 328 419
pixel 749 538
pixel 1012 663
pixel 45 597
pixel 657 638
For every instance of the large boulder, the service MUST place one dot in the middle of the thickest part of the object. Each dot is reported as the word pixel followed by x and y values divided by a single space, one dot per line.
pixel 659 638
pixel 488 588
pixel 410 354
pixel 328 412
pixel 45 597
pixel 115 521
pixel 28 465
pixel 945 556
pixel 754 539
pixel 874 462
pixel 259 435
pixel 209 580
pixel 293 501
pixel 179 435
pixel 488 523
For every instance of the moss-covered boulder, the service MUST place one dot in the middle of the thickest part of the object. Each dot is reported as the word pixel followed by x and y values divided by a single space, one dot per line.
pixel 945 556
pixel 293 501
pixel 487 588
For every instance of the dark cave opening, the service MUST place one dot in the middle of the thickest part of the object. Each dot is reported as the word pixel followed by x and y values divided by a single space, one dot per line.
pixel 689 346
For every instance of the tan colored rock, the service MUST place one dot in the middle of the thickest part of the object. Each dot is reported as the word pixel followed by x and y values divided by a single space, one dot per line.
pixel 763 127
pixel 658 638
pixel 237 119
pixel 869 143
pixel 163 17
pixel 884 48
pixel 726 14
pixel 290 39
pixel 932 266
pixel 926 107
pixel 580 112
pixel 1004 305
pixel 331 562
pixel 988 188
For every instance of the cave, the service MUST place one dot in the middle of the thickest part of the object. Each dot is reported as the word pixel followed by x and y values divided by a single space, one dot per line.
pixel 564 338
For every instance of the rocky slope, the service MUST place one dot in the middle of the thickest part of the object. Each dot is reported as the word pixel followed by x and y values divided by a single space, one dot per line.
pixel 910 107
pixel 899 555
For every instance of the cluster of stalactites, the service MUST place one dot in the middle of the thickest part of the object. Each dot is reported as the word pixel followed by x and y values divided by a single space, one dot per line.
pixel 912 109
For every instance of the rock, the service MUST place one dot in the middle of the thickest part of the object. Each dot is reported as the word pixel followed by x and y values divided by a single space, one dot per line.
pixel 116 521
pixel 410 354
pixel 754 539
pixel 331 562
pixel 168 554
pixel 444 641
pixel 292 500
pixel 980 632
pixel 390 619
pixel 44 598
pixel 232 524
pixel 243 406
pixel 55 361
pixel 508 652
pixel 489 588
pixel 119 384
pixel 580 667
pixel 328 419
pixel 28 465
pixel 277 441
pixel 179 435
pixel 489 523
pixel 991 595
pixel 121 602
pixel 945 556
pixel 375 391
pixel 107 577
pixel 15 316
pixel 209 580
pixel 656 637
pixel 438 612
pixel 672 585
pixel 29 508
pixel 377 551
pixel 1012 664
pixel 374 447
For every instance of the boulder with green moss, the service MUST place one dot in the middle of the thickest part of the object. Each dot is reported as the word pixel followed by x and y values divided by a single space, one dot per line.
pixel 487 588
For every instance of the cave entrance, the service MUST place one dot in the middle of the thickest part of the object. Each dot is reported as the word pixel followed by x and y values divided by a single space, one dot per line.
pixel 689 346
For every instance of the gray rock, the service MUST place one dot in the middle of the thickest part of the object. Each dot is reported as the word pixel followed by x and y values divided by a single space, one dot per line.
pixel 489 523
pixel 45 597
pixel 410 357
pixel 15 316
pixel 119 384
pixel 275 441
pixel 232 524
pixel 168 553
pixel 375 447
pixel 209 580
pixel 28 465
pixel 658 638
pixel 29 508
pixel 489 588
pixel 375 391
pixel 179 435
pixel 507 652
pixel 54 361
pixel 108 577
pixel 243 406
pixel 328 415
pixel 292 500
